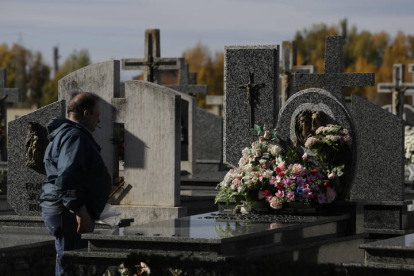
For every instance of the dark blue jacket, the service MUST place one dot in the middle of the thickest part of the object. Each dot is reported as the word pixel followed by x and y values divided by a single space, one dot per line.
pixel 76 174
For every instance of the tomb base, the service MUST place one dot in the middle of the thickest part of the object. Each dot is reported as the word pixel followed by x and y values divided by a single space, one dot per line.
pixel 146 214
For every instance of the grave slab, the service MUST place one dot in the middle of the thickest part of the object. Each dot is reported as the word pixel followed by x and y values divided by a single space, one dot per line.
pixel 244 104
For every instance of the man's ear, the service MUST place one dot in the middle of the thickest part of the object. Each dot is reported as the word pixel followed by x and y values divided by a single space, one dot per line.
pixel 86 113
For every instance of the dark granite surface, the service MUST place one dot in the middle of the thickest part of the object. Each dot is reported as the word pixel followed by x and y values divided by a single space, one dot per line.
pixel 399 243
pixel 202 229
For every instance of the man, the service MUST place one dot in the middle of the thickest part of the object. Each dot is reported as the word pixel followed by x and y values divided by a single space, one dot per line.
pixel 78 184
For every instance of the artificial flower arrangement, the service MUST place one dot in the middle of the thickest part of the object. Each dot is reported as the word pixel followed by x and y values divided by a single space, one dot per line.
pixel 279 172
pixel 409 145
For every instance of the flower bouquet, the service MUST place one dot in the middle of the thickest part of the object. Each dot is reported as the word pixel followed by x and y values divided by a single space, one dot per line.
pixel 280 172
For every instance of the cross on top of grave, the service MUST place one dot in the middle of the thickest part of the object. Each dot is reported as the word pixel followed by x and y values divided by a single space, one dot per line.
pixel 398 88
pixel 13 94
pixel 250 87
pixel 152 61
pixel 333 79
pixel 289 68
pixel 184 83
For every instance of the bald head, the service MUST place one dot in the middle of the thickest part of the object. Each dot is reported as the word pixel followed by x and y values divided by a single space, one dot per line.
pixel 84 108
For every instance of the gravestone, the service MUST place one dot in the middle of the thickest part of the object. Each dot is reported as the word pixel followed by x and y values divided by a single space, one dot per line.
pixel 152 61
pixel 333 79
pixel 289 68
pixel 398 88
pixel 250 95
pixel 408 114
pixel 216 102
pixel 7 95
pixel 150 114
pixel 24 184
pixel 184 82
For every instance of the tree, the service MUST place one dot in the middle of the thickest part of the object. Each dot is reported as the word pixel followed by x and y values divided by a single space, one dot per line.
pixel 75 61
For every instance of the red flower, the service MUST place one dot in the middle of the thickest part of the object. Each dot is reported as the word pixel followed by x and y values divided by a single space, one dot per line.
pixel 314 196
pixel 280 187
pixel 326 184
pixel 278 170
pixel 314 171
pixel 309 181
pixel 281 174
pixel 267 193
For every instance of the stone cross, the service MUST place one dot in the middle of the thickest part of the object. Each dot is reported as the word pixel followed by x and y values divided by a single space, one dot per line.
pixel 9 95
pixel 333 79
pixel 289 68
pixel 398 88
pixel 411 71
pixel 152 61
pixel 184 83
pixel 250 87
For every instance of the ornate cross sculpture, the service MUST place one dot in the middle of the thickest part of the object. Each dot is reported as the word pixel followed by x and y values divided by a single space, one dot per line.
pixel 250 88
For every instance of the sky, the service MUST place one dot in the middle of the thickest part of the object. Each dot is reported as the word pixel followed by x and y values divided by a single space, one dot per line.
pixel 114 29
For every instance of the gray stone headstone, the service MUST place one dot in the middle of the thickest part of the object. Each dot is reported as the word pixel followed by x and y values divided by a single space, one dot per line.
pixel 24 184
pixel 315 99
pixel 379 169
pixel 102 79
pixel 398 88
pixel 184 82
pixel 209 140
pixel 152 62
pixel 240 61
pixel 333 79
pixel 151 116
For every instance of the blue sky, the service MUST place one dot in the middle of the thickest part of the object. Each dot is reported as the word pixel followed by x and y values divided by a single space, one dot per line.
pixel 112 29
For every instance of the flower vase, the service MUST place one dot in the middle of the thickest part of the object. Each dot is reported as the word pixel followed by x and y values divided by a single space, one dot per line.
pixel 411 168
pixel 257 206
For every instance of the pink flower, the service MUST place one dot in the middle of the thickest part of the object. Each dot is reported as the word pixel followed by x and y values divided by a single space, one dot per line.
pixel 266 134
pixel 305 156
pixel 348 140
pixel 310 142
pixel 330 194
pixel 260 139
pixel 306 193
pixel 275 204
pixel 298 169
pixel 319 130
pixel 321 198
pixel 280 194
pixel 282 165
pixel 290 195
pixel 331 175
pixel 273 181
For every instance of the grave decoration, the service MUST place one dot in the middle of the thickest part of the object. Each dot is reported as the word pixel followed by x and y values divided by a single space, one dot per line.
pixel 409 149
pixel 304 170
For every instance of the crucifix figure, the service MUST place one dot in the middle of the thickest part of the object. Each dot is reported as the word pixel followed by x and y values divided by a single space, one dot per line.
pixel 398 88
pixel 152 62
pixel 250 87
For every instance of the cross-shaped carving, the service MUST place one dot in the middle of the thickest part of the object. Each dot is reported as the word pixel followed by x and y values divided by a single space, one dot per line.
pixel 333 79
pixel 7 95
pixel 184 84
pixel 250 88
pixel 152 61
pixel 289 68
pixel 398 88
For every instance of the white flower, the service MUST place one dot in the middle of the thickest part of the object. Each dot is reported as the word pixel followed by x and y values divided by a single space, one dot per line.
pixel 262 161
pixel 310 142
pixel 257 153
pixel 242 161
pixel 246 152
pixel 255 179
pixel 268 174
pixel 305 156
pixel 241 188
pixel 275 150
pixel 331 176
pixel 266 134
pixel 248 168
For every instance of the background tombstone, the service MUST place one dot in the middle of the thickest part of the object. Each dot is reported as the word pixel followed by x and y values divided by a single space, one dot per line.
pixel 184 82
pixel 216 102
pixel 315 99
pixel 9 95
pixel 152 61
pixel 333 79
pixel 240 62
pixel 408 114
pixel 288 68
pixel 398 88
pixel 151 117
pixel 24 184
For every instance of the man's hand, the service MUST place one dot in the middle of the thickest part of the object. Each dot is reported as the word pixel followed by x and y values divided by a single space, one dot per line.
pixel 84 221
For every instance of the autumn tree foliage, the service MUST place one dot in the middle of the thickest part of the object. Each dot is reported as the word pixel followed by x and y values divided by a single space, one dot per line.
pixel 363 51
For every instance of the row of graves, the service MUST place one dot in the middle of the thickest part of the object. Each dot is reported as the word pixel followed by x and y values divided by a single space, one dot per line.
pixel 320 183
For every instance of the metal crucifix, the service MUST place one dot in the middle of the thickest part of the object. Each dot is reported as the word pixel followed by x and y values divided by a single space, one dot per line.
pixel 250 88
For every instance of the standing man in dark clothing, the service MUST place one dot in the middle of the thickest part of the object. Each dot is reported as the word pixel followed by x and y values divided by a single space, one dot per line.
pixel 78 184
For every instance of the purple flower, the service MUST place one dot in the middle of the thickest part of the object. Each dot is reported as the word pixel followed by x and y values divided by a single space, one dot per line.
pixel 306 193
pixel 273 181
pixel 321 198
pixel 290 195
pixel 300 181
pixel 287 182
pixel 280 194
pixel 315 187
